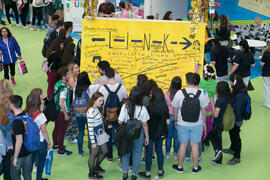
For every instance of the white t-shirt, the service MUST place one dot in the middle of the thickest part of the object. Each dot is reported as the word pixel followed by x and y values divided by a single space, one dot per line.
pixel 92 89
pixel 41 119
pixel 117 78
pixel 144 116
pixel 178 100
pixel 122 93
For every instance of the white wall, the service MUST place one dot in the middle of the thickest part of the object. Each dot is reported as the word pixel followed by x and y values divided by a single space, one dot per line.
pixel 178 7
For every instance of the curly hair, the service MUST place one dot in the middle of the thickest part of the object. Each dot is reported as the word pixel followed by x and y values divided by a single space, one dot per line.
pixel 223 89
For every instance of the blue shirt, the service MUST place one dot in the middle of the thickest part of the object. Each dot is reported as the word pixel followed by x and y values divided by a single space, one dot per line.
pixel 10 50
pixel 50 30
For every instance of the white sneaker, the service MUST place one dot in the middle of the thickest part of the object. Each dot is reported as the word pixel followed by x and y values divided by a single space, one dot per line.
pixel 32 29
pixel 18 25
pixel 75 141
pixel 35 169
pixel 10 25
pixel 167 155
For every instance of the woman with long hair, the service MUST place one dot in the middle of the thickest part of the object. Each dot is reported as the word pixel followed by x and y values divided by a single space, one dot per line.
pixel 265 63
pixel 219 108
pixel 54 63
pixel 83 92
pixel 10 52
pixel 223 30
pixel 95 127
pixel 242 62
pixel 239 101
pixel 157 128
pixel 168 16
pixel 141 79
pixel 68 54
pixel 134 109
pixel 63 35
pixel 146 91
pixel 5 127
pixel 176 85
pixel 219 55
pixel 33 105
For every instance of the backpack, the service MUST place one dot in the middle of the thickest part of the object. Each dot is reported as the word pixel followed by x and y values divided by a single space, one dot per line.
pixel 112 104
pixel 45 47
pixel 191 108
pixel 32 138
pixel 247 111
pixel 50 107
pixel 228 119
pixel 134 127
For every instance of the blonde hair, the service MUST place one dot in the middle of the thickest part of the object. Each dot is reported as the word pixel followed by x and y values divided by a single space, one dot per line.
pixel 5 92
pixel 70 70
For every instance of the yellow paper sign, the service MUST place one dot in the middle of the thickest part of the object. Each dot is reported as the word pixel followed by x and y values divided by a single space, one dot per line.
pixel 161 50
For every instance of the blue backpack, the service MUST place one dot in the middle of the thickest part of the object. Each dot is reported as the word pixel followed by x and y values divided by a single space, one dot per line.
pixel 247 111
pixel 32 138
pixel 112 104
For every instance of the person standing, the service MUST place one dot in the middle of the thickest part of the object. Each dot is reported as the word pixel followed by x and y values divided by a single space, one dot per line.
pixel 45 14
pixel 10 4
pixel 265 63
pixel 37 12
pixel 175 86
pixel 62 101
pixel 242 62
pixel 95 128
pixel 223 30
pixel 106 9
pixel 124 12
pixel 21 158
pixel 53 27
pixel 24 13
pixel 190 114
pixel 10 50
pixel 33 107
pixel 168 15
pixel 157 128
pixel 190 15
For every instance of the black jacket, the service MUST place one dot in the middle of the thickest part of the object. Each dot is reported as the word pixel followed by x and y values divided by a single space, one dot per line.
pixel 157 126
pixel 239 105
pixel 123 144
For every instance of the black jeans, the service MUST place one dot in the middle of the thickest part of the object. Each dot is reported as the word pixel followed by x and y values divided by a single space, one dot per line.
pixel 215 137
pixel 37 12
pixel 236 143
pixel 7 165
pixel 24 13
pixel 6 70
pixel 14 8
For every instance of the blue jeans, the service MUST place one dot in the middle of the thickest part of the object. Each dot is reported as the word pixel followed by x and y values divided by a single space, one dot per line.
pixel 81 121
pixel 110 143
pixel 41 153
pixel 172 134
pixel 24 167
pixel 149 151
pixel 136 156
pixel 45 13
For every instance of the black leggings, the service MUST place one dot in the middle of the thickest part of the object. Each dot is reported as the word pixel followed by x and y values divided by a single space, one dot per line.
pixel 14 8
pixel 37 12
pixel 24 13
pixel 97 154
pixel 6 70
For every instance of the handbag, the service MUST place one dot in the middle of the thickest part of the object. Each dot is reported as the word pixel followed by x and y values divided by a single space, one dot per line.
pixel 22 68
pixel 48 162
pixel 134 127
pixel 102 137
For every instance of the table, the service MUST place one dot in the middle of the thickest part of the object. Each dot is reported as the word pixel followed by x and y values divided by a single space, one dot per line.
pixel 256 43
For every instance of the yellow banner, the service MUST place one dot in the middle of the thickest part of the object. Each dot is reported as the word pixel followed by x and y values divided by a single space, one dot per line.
pixel 258 6
pixel 161 50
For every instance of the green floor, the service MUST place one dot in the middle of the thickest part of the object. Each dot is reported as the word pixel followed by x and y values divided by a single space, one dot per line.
pixel 255 160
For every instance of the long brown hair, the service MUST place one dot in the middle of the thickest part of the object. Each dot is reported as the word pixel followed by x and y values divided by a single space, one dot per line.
pixel 33 101
pixel 95 96
pixel 224 21
pixel 267 49
pixel 5 92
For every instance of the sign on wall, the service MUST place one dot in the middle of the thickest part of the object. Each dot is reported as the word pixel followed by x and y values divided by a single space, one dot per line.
pixel 159 49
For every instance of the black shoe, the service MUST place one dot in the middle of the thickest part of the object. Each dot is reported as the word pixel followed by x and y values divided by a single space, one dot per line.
pixel 95 176
pixel 55 147
pixel 44 178
pixel 206 142
pixel 160 175
pixel 133 177
pixel 233 161
pixel 217 162
pixel 218 155
pixel 196 171
pixel 144 176
pixel 64 153
pixel 153 158
pixel 99 170
pixel 125 177
pixel 180 170
pixel 228 151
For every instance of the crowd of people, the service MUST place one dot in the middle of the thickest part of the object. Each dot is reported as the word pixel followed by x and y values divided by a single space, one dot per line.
pixel 140 120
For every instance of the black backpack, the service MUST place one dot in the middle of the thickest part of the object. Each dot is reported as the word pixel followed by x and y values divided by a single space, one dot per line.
pixel 134 127
pixel 45 47
pixel 50 107
pixel 191 108
pixel 112 104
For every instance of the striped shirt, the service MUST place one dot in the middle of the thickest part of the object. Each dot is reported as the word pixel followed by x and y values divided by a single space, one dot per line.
pixel 94 120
